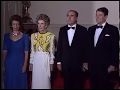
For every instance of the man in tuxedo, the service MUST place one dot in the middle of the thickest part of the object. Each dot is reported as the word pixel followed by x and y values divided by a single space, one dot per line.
pixel 71 49
pixel 103 51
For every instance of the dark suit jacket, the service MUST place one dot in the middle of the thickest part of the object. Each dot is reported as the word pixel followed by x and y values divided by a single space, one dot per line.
pixel 106 51
pixel 72 57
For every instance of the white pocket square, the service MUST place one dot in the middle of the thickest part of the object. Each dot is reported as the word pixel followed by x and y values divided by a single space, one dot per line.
pixel 107 35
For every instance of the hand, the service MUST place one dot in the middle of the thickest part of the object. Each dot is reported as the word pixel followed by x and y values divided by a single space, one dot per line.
pixel 51 67
pixel 24 68
pixel 30 67
pixel 111 68
pixel 3 70
pixel 59 67
pixel 85 66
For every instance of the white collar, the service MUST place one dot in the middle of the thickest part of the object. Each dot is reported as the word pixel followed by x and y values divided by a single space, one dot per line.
pixel 72 25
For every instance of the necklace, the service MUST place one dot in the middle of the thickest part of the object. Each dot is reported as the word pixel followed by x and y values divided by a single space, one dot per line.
pixel 15 34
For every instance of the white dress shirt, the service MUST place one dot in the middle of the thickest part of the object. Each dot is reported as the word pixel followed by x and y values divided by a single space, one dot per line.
pixel 97 33
pixel 70 33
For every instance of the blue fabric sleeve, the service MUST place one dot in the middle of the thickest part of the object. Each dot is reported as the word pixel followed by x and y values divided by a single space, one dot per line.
pixel 26 42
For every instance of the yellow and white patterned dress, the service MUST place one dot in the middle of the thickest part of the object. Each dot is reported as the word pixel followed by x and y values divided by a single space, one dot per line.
pixel 42 55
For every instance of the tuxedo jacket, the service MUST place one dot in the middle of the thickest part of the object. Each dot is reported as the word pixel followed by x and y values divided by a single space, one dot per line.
pixel 106 51
pixel 72 57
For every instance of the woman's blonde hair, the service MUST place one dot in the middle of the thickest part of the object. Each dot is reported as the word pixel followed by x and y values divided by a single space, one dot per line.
pixel 43 17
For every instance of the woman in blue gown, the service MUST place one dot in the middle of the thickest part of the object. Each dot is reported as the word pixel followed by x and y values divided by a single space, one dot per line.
pixel 15 55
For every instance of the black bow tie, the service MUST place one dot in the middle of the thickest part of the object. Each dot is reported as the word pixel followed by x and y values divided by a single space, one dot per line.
pixel 99 27
pixel 71 28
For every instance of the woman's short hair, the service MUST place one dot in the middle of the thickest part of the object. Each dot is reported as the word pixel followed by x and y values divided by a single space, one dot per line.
pixel 16 18
pixel 43 17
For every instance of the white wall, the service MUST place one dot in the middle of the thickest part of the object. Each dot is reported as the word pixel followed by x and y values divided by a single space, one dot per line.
pixel 57 10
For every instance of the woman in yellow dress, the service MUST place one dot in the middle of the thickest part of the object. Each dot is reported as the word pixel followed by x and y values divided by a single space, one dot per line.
pixel 42 54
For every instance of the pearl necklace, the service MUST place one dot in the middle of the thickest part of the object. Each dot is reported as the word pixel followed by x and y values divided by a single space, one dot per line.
pixel 15 34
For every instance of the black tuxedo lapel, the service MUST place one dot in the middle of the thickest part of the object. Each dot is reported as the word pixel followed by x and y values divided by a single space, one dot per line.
pixel 93 33
pixel 74 35
pixel 66 35
pixel 105 29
